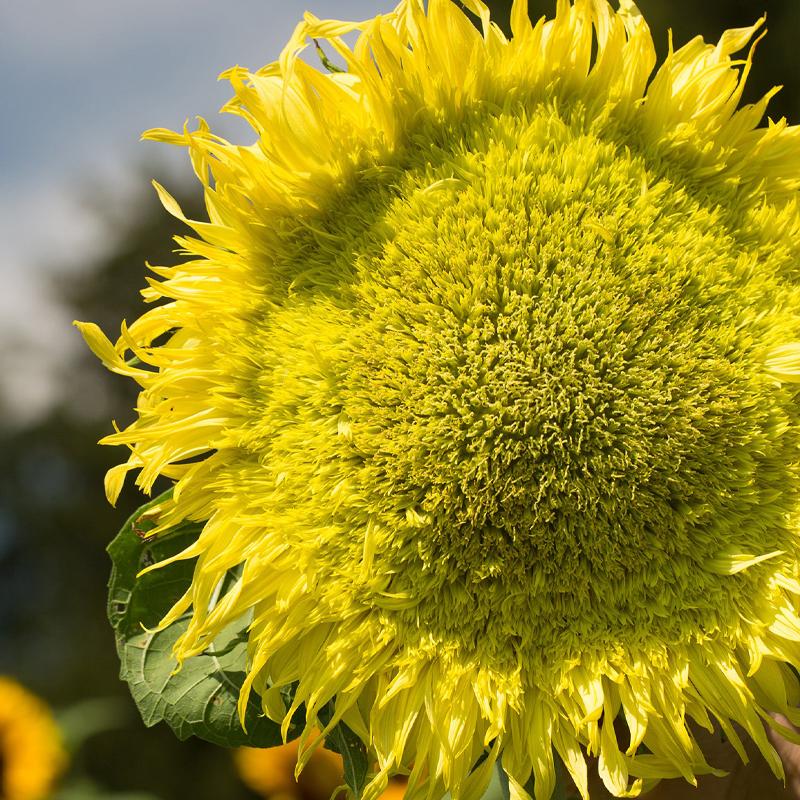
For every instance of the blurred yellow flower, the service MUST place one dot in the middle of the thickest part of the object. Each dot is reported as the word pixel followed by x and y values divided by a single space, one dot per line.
pixel 31 753
pixel 270 772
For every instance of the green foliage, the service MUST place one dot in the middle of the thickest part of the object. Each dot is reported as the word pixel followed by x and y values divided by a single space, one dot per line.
pixel 354 755
pixel 200 698
pixel 563 790
pixel 86 790
pixel 87 718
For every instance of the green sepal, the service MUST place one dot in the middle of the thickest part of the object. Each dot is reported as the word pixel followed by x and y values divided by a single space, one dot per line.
pixel 199 699
pixel 326 62
pixel 561 790
pixel 349 746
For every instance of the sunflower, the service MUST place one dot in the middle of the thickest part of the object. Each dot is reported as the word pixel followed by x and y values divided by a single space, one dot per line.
pixel 484 371
pixel 31 753
pixel 269 772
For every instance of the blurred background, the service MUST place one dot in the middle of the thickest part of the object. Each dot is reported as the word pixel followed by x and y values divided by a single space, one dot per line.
pixel 78 219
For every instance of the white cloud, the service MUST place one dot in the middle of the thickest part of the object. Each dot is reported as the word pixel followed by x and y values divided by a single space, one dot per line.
pixel 89 30
pixel 91 75
pixel 44 230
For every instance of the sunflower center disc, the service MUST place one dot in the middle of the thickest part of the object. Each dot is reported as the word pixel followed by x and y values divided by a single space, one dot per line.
pixel 529 375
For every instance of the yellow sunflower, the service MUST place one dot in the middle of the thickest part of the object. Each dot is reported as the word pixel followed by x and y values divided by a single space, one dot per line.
pixel 31 753
pixel 269 772
pixel 484 369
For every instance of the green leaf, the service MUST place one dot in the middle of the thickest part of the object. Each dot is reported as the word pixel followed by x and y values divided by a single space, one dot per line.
pixel 84 789
pixel 505 789
pixel 200 699
pixel 87 718
pixel 342 740
pixel 495 790
pixel 560 791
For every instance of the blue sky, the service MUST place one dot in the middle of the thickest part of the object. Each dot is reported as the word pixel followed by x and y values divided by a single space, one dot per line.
pixel 81 81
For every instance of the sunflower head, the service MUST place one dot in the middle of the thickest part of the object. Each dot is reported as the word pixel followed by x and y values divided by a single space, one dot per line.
pixel 484 370
pixel 269 772
pixel 31 752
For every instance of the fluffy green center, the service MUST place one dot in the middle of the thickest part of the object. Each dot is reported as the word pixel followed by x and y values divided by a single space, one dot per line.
pixel 512 392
